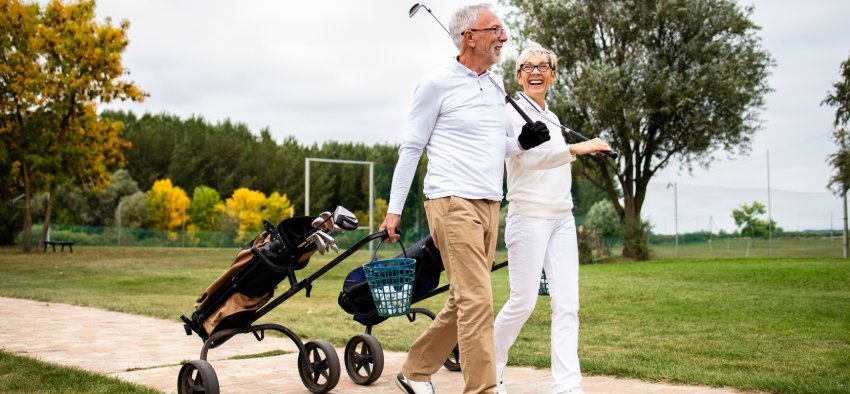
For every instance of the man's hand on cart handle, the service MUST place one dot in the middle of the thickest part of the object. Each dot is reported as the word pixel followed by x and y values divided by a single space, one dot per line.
pixel 390 224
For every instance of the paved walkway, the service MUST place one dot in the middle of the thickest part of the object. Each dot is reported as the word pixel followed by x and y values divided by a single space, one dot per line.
pixel 149 351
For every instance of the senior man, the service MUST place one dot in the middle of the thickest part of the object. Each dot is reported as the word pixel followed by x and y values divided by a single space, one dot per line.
pixel 458 115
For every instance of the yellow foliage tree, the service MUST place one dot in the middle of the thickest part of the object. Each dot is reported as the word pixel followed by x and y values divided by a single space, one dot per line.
pixel 277 207
pixel 167 205
pixel 245 209
pixel 381 207
pixel 59 62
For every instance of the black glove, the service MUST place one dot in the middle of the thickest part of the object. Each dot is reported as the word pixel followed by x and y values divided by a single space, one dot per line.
pixel 533 134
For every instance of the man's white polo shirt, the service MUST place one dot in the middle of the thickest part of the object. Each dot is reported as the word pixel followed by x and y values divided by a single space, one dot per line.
pixel 459 117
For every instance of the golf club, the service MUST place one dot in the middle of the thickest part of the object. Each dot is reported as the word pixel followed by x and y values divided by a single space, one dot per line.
pixel 612 154
pixel 344 219
pixel 416 8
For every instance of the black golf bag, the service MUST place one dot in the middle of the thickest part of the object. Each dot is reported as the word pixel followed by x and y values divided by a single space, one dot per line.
pixel 231 300
pixel 356 299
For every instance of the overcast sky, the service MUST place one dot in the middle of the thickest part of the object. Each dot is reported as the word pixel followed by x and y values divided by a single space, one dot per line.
pixel 346 71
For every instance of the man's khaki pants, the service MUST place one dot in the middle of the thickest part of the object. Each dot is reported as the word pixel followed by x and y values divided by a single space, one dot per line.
pixel 465 231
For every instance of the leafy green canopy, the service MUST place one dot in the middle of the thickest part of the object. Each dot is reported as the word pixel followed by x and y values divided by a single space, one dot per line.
pixel 660 81
pixel 840 161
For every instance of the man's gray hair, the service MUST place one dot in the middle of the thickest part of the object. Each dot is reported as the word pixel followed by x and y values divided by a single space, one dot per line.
pixel 463 19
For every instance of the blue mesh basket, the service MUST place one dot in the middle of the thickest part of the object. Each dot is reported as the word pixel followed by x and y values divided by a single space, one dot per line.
pixel 544 285
pixel 391 284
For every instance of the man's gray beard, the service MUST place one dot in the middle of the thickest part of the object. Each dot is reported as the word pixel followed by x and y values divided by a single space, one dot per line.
pixel 495 59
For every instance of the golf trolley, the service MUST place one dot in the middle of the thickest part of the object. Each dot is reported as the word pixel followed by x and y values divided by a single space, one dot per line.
pixel 363 355
pixel 240 297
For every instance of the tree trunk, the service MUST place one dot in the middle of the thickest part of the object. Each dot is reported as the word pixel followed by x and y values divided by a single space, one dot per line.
pixel 635 239
pixel 634 232
pixel 846 244
pixel 51 199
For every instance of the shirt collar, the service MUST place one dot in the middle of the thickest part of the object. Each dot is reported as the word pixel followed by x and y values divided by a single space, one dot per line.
pixel 528 101
pixel 459 68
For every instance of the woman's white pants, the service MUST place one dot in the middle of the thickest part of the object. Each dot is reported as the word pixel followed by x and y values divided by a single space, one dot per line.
pixel 536 244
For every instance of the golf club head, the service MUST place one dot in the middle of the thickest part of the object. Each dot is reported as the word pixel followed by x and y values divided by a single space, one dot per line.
pixel 317 240
pixel 322 223
pixel 414 9
pixel 329 241
pixel 327 238
pixel 344 219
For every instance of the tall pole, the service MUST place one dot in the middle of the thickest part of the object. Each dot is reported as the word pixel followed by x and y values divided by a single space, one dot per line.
pixel 710 232
pixel 769 217
pixel 119 221
pixel 306 187
pixel 184 228
pixel 846 245
pixel 676 213
pixel 371 201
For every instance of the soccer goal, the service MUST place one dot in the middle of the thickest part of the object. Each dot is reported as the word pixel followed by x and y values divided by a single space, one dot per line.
pixel 371 165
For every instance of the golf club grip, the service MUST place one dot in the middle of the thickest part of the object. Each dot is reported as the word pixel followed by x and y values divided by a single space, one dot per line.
pixel 612 154
pixel 518 109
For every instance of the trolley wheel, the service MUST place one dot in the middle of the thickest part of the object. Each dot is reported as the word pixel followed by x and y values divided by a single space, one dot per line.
pixel 453 362
pixel 364 359
pixel 322 374
pixel 197 377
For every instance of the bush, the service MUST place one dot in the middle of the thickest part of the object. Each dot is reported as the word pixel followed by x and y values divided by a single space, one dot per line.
pixel 585 245
pixel 635 234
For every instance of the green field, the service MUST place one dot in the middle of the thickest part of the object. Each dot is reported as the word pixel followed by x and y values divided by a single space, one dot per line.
pixel 769 324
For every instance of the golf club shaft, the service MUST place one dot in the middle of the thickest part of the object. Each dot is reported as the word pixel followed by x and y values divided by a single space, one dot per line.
pixel 438 21
pixel 518 109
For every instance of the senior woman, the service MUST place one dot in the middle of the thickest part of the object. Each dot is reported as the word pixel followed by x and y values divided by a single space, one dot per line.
pixel 540 232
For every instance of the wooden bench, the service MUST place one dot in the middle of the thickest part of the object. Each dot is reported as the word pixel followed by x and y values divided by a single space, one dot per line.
pixel 61 245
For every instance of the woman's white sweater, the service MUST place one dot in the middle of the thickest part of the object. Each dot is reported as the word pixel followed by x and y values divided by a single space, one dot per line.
pixel 539 179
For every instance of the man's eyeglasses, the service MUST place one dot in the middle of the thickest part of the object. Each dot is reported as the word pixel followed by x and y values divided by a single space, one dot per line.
pixel 498 30
pixel 529 68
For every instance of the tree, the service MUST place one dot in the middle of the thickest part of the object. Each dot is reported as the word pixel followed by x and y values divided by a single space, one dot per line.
pixel 226 156
pixel 276 208
pixel 747 218
pixel 91 207
pixel 19 139
pixel 132 211
pixel 206 209
pixel 167 205
pixel 839 182
pixel 603 221
pixel 244 209
pixel 661 81
pixel 58 63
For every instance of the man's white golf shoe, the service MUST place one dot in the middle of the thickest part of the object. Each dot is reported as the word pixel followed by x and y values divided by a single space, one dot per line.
pixel 413 387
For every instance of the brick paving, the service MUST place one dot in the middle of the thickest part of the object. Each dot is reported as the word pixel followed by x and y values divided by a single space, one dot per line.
pixel 150 352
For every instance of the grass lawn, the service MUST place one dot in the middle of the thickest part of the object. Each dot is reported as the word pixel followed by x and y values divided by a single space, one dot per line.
pixel 770 324
pixel 25 375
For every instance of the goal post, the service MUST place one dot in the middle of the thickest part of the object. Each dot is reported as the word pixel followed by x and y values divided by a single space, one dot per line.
pixel 371 166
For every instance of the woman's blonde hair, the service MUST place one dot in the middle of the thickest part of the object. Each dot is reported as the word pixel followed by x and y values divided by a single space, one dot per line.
pixel 535 49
